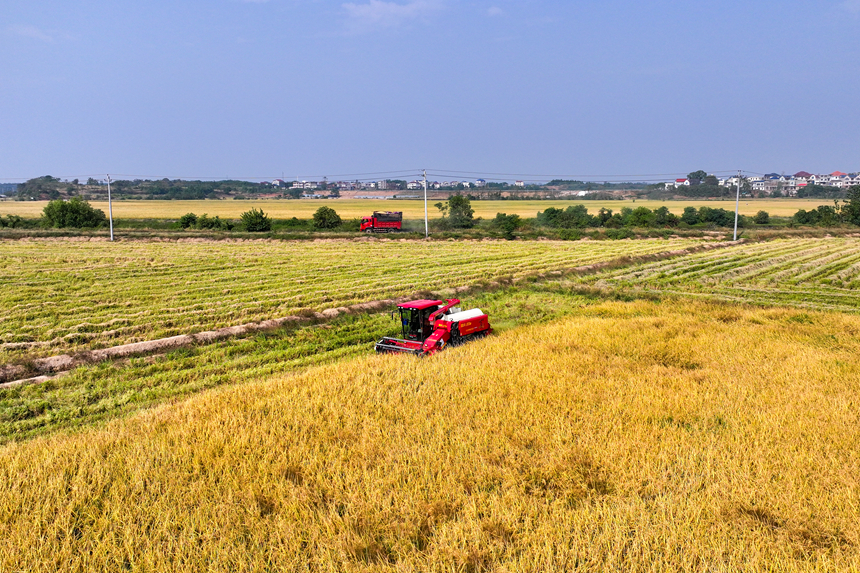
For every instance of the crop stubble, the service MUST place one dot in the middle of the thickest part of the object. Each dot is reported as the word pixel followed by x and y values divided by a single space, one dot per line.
pixel 810 273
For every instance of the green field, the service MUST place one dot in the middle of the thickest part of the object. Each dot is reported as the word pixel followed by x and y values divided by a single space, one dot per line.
pixel 412 209
pixel 68 295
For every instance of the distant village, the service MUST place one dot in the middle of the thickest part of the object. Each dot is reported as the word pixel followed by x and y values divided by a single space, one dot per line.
pixel 773 184
pixel 784 185
pixel 387 185
pixel 698 184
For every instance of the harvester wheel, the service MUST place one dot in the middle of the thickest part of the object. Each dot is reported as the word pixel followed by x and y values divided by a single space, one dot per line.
pixel 456 339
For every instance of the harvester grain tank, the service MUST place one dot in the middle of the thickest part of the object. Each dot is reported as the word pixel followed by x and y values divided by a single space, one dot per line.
pixel 430 325
pixel 382 222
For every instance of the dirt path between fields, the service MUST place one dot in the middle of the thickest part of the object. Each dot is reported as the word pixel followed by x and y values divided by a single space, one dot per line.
pixel 42 369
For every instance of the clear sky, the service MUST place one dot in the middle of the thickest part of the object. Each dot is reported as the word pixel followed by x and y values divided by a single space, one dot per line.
pixel 611 89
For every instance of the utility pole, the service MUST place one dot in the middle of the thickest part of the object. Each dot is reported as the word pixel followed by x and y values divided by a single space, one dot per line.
pixel 426 225
pixel 737 205
pixel 110 209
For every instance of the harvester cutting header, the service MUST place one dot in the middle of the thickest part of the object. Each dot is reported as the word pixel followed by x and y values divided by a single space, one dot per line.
pixel 430 325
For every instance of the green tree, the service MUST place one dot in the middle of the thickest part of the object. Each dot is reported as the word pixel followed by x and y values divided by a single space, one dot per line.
pixel 827 215
pixel 460 212
pixel 75 213
pixel 665 218
pixel 851 208
pixel 804 217
pixel 711 180
pixel 326 218
pixel 697 177
pixel 256 221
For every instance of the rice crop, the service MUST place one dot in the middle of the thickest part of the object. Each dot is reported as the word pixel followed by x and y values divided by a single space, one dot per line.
pixel 93 393
pixel 808 273
pixel 65 295
pixel 638 436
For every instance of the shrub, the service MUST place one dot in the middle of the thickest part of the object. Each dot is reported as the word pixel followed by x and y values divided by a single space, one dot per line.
pixel 213 223
pixel 690 216
pixel 187 220
pixel 717 217
pixel 256 221
pixel 326 218
pixel 574 217
pixel 641 217
pixel 761 218
pixel 508 224
pixel 13 222
pixel 75 212
pixel 664 218
pixel 618 234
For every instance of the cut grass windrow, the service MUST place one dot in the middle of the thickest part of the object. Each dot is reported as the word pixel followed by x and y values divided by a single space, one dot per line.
pixel 808 273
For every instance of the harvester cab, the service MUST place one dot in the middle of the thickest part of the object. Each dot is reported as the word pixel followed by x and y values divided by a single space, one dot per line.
pixel 427 326
pixel 415 318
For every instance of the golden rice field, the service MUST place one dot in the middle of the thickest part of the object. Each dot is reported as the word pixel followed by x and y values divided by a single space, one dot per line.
pixel 412 209
pixel 811 273
pixel 640 436
pixel 62 295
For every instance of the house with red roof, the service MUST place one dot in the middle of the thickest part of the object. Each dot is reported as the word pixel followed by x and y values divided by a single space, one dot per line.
pixel 678 183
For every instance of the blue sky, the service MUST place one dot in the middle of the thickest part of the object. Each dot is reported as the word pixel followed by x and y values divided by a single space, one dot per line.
pixel 588 89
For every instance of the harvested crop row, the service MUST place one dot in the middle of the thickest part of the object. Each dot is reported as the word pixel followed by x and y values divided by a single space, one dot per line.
pixel 71 295
pixel 809 273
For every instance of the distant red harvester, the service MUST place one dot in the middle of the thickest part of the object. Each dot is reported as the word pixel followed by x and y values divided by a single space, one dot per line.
pixel 382 222
pixel 429 325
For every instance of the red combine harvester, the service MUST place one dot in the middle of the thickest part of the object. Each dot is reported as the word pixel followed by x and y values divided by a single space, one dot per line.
pixel 430 325
pixel 382 222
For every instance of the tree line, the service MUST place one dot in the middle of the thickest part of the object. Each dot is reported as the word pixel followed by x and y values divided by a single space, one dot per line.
pixel 842 212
